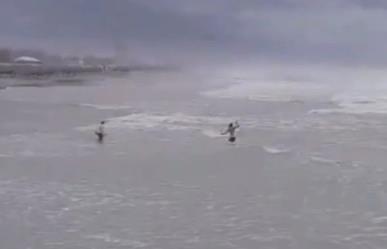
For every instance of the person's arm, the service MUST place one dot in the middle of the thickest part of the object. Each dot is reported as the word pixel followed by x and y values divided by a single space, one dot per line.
pixel 237 124
pixel 225 132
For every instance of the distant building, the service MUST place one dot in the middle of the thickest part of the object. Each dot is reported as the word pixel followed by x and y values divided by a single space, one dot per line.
pixel 74 61
pixel 97 61
pixel 34 53
pixel 27 60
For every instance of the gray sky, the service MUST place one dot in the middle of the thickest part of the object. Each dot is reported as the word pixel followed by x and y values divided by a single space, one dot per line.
pixel 343 31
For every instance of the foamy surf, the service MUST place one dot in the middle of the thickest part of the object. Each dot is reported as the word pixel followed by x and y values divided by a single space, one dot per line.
pixel 323 160
pixel 5 156
pixel 356 105
pixel 270 91
pixel 359 98
pixel 275 150
pixel 210 126
pixel 106 107
pixel 212 133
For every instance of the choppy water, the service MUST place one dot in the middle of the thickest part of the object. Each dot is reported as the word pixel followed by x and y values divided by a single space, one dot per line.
pixel 308 169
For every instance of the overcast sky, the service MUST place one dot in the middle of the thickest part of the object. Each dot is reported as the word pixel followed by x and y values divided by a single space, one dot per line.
pixel 344 31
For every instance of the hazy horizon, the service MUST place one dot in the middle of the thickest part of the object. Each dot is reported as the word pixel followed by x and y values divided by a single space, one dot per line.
pixel 293 31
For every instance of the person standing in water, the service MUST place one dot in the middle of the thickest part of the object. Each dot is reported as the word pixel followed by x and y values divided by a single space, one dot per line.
pixel 231 131
pixel 100 132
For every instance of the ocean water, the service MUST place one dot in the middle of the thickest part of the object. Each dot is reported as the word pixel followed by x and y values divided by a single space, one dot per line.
pixel 307 170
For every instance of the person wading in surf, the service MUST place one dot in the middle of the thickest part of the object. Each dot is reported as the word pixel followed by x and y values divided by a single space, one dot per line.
pixel 231 131
pixel 100 132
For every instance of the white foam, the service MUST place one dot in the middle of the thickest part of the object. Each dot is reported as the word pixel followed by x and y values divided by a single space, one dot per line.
pixel 5 155
pixel 357 104
pixel 270 91
pixel 212 133
pixel 107 107
pixel 209 126
pixel 275 150
pixel 380 220
pixel 359 97
pixel 108 238
pixel 318 159
pixel 352 90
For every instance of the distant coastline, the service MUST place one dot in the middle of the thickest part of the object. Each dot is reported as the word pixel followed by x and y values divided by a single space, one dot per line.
pixel 35 64
pixel 14 75
pixel 11 70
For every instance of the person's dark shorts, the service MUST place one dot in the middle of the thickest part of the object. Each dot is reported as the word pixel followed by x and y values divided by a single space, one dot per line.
pixel 232 139
pixel 99 135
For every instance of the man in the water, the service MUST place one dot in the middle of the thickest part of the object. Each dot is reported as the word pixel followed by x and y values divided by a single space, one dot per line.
pixel 100 132
pixel 231 130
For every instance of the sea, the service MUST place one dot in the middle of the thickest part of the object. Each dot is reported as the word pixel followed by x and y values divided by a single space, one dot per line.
pixel 307 170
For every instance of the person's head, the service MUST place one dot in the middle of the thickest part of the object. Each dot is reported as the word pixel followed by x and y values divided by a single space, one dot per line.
pixel 230 125
pixel 102 122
